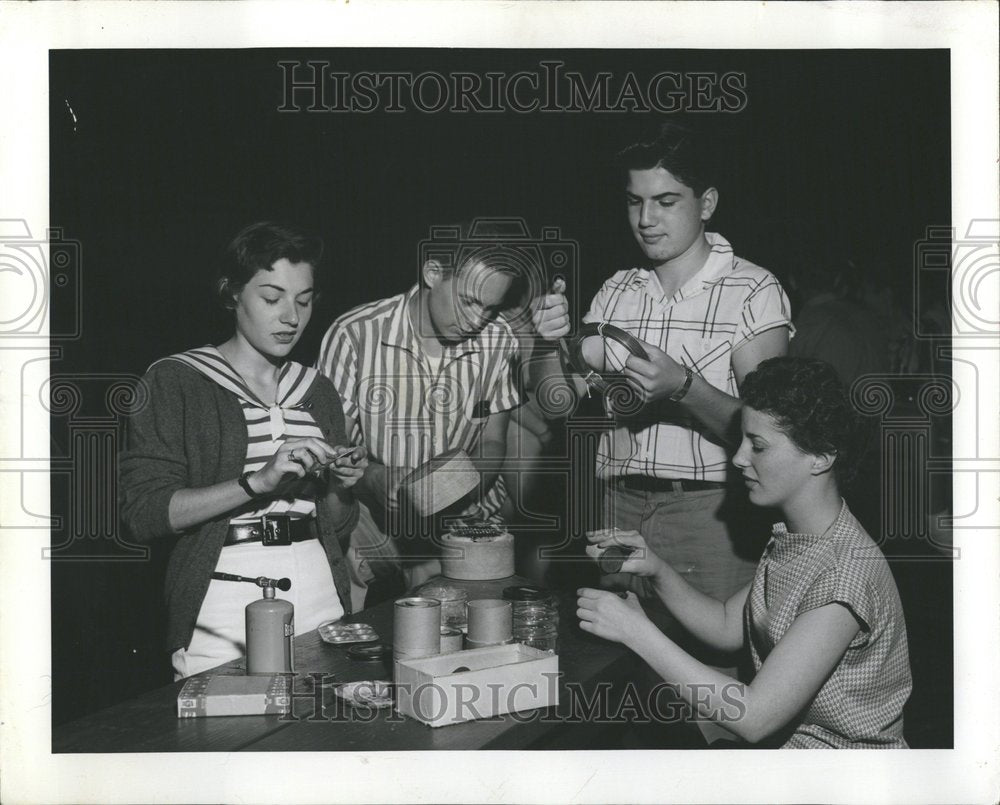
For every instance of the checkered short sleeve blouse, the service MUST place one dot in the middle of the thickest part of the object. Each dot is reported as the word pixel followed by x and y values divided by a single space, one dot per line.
pixel 861 705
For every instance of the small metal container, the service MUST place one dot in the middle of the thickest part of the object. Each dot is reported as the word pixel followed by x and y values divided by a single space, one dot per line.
pixel 451 640
pixel 611 559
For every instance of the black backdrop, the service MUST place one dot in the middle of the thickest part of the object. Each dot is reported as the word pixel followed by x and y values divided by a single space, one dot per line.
pixel 158 157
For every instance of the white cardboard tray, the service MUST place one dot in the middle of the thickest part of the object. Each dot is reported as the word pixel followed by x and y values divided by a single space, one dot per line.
pixel 498 680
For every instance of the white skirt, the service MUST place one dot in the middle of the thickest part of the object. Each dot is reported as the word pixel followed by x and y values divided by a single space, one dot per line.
pixel 220 631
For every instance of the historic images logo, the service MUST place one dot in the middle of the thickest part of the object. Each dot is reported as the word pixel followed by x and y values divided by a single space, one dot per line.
pixel 316 86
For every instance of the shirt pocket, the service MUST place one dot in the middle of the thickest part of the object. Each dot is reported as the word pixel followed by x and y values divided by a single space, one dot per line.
pixel 477 409
pixel 710 357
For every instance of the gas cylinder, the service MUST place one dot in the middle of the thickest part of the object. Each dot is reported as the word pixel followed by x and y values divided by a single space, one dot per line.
pixel 270 635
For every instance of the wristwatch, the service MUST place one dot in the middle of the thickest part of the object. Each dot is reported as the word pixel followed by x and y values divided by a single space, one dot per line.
pixel 245 483
pixel 678 395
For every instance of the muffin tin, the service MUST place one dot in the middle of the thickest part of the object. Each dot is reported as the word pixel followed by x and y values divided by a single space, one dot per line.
pixel 339 633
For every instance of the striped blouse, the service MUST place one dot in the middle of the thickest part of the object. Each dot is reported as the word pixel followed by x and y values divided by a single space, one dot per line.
pixel 268 426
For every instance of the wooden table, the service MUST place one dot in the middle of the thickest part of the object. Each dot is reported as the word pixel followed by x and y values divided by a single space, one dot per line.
pixel 320 721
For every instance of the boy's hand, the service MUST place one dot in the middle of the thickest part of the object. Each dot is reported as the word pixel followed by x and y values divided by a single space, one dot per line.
pixel 657 378
pixel 550 313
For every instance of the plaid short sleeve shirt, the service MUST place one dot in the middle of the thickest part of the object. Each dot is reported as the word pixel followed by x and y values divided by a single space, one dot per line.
pixel 406 409
pixel 727 303
pixel 861 705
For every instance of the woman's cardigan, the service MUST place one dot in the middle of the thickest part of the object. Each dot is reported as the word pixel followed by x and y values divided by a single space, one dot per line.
pixel 189 432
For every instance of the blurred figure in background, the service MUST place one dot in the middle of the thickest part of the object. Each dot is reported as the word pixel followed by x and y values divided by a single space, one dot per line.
pixel 831 322
pixel 835 325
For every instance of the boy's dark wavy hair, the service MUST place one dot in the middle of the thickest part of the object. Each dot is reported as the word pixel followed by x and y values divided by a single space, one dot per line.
pixel 811 406
pixel 681 149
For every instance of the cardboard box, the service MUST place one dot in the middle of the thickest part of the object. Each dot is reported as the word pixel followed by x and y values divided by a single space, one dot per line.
pixel 477 683
pixel 234 696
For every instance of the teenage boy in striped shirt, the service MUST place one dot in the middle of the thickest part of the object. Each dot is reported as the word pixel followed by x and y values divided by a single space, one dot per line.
pixel 707 318
pixel 420 374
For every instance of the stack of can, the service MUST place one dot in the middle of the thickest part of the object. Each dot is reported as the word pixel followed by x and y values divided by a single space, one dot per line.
pixel 535 616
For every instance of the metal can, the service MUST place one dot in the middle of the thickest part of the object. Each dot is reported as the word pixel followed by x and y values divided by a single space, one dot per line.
pixel 416 628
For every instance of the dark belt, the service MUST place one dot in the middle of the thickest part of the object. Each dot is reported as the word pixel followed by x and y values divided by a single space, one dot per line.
pixel 646 483
pixel 272 530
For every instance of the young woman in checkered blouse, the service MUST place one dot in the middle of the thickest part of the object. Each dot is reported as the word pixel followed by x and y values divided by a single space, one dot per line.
pixel 822 617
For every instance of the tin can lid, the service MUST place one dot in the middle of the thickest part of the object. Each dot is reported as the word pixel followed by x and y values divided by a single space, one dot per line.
pixel 526 592
pixel 417 601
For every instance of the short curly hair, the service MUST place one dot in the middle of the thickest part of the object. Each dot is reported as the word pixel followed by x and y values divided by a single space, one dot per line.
pixel 257 248
pixel 811 406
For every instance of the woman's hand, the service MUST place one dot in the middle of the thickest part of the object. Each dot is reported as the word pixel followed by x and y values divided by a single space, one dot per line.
pixel 613 616
pixel 641 562
pixel 349 466
pixel 294 459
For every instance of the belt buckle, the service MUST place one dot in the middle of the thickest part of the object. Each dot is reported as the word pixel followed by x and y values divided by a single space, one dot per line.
pixel 275 531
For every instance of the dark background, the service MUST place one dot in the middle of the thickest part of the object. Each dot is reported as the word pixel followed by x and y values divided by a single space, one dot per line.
pixel 159 157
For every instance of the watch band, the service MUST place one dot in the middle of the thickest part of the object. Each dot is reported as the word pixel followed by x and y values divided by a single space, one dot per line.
pixel 245 483
pixel 678 395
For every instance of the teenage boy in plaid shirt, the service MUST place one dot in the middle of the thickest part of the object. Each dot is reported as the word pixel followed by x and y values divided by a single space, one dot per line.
pixel 707 319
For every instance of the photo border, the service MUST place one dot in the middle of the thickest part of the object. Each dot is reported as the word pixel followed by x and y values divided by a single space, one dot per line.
pixel 965 774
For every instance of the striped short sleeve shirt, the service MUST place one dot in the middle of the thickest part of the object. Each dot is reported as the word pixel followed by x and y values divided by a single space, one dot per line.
pixel 727 303
pixel 861 704
pixel 407 409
